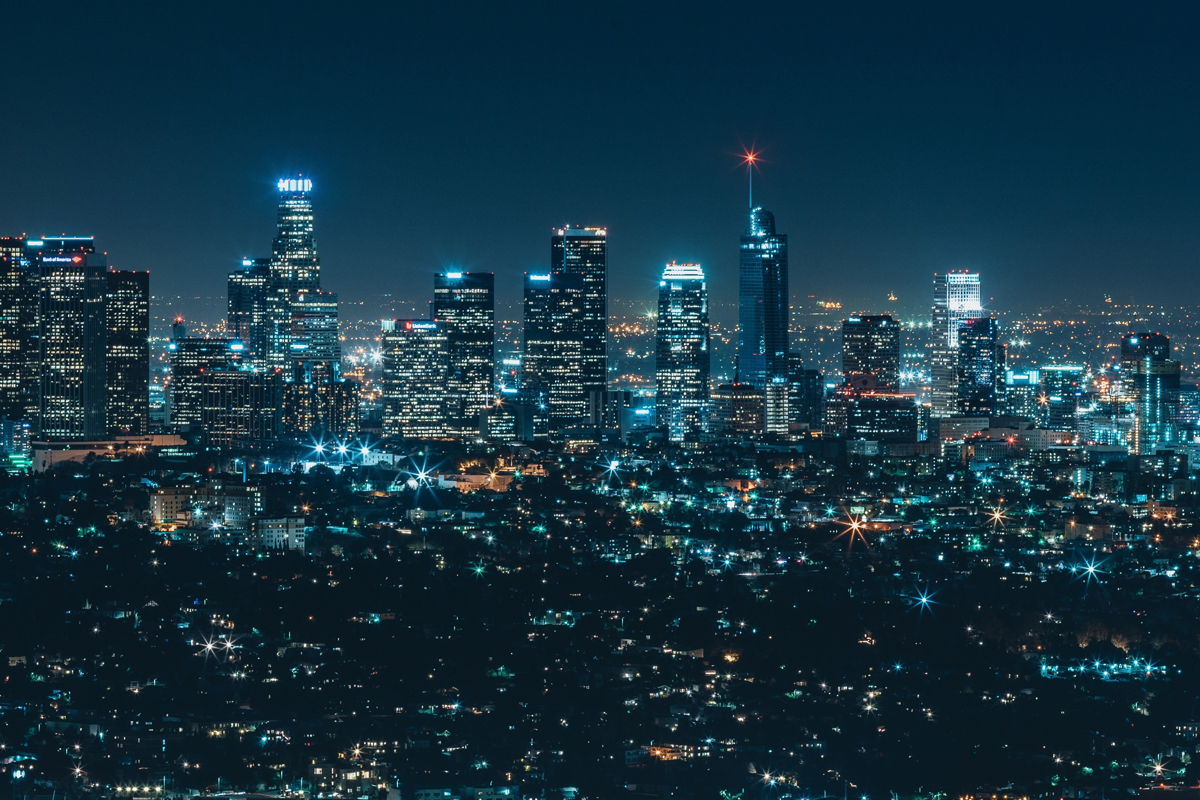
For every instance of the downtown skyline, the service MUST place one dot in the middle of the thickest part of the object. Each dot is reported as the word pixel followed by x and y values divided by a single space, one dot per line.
pixel 894 145
pixel 708 401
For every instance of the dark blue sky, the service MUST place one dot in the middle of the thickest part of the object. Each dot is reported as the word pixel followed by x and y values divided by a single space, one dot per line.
pixel 1051 146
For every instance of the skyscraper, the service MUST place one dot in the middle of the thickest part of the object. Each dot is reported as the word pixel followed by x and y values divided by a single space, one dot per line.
pixel 955 297
pixel 71 339
pixel 1152 378
pixel 294 260
pixel 17 307
pixel 465 303
pixel 127 319
pixel 584 252
pixel 271 300
pixel 980 367
pixel 246 319
pixel 871 347
pixel 415 354
pixel 763 305
pixel 554 344
pixel 682 350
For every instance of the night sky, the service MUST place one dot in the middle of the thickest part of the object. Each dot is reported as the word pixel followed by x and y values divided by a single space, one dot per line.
pixel 1055 149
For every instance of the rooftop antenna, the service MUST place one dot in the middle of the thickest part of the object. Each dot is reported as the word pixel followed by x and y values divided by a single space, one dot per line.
pixel 750 158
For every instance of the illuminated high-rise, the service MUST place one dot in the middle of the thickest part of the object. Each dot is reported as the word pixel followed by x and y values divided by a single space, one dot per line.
pixel 18 300
pixel 1151 377
pixel 980 365
pixel 683 352
pixel 763 305
pixel 277 302
pixel 248 286
pixel 584 252
pixel 127 320
pixel 414 378
pixel 294 261
pixel 71 339
pixel 554 347
pixel 956 296
pixel 465 303
pixel 871 347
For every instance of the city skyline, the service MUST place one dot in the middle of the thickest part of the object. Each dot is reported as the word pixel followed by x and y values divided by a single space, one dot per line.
pixel 768 401
pixel 924 160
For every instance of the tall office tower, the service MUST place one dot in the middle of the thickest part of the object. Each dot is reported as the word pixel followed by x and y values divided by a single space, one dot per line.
pixel 127 318
pixel 465 303
pixel 314 333
pixel 1152 378
pixel 683 353
pixel 1062 387
pixel 248 287
pixel 415 355
pixel 763 305
pixel 71 339
pixel 871 346
pixel 806 395
pixel 294 261
pixel 584 252
pixel 980 367
pixel 955 297
pixel 264 292
pixel 15 308
pixel 191 360
pixel 555 332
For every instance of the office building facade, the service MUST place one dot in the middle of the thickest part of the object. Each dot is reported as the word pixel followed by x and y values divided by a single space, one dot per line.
pixel 583 252
pixel 980 366
pixel 871 346
pixel 465 304
pixel 682 351
pixel 956 296
pixel 415 358
pixel 191 359
pixel 553 351
pixel 806 396
pixel 1152 379
pixel 247 292
pixel 320 403
pixel 763 301
pixel 127 354
pixel 72 285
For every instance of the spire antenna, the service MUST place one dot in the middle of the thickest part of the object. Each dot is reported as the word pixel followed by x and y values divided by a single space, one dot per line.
pixel 750 158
